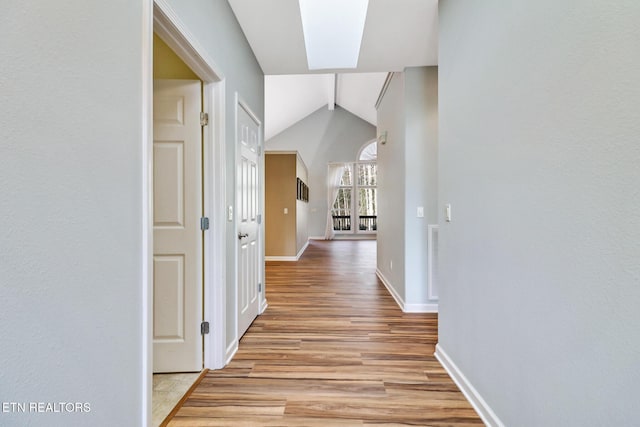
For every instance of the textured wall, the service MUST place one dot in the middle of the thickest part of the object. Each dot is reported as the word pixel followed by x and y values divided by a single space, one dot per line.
pixel 70 181
pixel 539 155
pixel 71 209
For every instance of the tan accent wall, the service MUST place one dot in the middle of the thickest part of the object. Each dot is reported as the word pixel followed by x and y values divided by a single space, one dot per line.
pixel 280 193
pixel 168 65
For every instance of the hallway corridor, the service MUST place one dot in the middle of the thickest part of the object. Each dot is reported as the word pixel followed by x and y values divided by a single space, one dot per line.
pixel 332 349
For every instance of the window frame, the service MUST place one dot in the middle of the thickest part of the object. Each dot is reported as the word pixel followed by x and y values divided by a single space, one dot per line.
pixel 355 191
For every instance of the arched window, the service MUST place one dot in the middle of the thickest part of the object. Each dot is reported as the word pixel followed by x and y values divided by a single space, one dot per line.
pixel 354 209
pixel 369 151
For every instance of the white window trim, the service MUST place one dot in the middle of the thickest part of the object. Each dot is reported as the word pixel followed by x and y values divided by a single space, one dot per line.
pixel 355 187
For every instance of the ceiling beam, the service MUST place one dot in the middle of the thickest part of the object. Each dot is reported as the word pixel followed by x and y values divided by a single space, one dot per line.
pixel 332 89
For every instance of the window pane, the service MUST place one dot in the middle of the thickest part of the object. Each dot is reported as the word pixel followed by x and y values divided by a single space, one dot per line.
pixel 367 174
pixel 370 152
pixel 341 210
pixel 367 202
pixel 347 180
pixel 367 209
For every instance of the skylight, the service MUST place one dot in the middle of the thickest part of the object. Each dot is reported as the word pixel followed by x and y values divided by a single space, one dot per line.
pixel 333 32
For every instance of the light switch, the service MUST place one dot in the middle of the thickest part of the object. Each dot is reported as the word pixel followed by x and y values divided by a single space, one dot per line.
pixel 286 211
pixel 420 212
pixel 447 212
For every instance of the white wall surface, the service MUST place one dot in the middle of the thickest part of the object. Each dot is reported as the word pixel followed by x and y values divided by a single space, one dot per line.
pixel 539 155
pixel 215 27
pixel 322 137
pixel 421 177
pixel 290 98
pixel 358 93
pixel 391 185
pixel 70 189
pixel 407 168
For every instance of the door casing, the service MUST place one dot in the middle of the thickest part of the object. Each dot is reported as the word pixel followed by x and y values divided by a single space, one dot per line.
pixel 159 17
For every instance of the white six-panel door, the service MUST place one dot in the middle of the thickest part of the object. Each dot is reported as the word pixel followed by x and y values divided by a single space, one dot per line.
pixel 177 207
pixel 247 199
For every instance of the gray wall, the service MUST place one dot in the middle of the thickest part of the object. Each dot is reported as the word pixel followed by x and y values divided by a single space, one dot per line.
pixel 421 176
pixel 408 177
pixel 391 185
pixel 70 183
pixel 70 180
pixel 539 155
pixel 322 137
pixel 215 26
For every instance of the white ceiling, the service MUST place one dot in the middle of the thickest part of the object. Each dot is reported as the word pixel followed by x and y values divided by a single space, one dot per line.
pixel 290 98
pixel 397 34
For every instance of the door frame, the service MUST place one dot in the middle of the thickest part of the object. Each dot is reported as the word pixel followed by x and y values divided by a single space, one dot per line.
pixel 158 16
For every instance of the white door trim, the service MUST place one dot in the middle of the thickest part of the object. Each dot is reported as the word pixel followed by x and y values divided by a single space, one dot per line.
pixel 146 192
pixel 159 16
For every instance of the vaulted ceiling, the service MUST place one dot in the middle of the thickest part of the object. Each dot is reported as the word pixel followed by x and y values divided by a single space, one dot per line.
pixel 397 34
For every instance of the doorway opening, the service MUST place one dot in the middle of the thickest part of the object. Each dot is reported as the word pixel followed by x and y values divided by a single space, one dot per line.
pixel 165 25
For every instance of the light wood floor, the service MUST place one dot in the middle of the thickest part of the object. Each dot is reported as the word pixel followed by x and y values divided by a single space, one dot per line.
pixel 332 349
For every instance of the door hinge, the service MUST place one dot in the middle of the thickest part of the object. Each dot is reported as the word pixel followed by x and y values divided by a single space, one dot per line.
pixel 259 287
pixel 204 328
pixel 204 223
pixel 204 119
pixel 259 219
pixel 259 150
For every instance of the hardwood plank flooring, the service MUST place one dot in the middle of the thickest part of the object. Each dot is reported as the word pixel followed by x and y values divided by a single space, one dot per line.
pixel 332 349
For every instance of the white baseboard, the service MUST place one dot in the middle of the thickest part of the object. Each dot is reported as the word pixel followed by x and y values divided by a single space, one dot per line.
pixel 231 351
pixel 263 306
pixel 421 308
pixel 280 258
pixel 347 237
pixel 391 289
pixel 355 237
pixel 407 308
pixel 301 251
pixel 289 258
pixel 479 404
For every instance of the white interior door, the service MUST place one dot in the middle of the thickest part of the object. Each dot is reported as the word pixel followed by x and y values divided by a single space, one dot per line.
pixel 247 197
pixel 177 238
